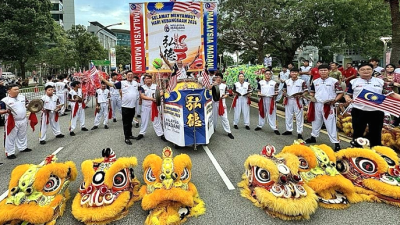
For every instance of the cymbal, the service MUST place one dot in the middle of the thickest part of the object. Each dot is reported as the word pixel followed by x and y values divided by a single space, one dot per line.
pixel 35 105
pixel 310 97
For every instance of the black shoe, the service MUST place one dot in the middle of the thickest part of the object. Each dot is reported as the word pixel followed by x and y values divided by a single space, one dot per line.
pixel 337 147
pixel 247 128
pixel 140 136
pixel 128 142
pixel 287 133
pixel 178 147
pixel 26 150
pixel 137 125
pixel 114 120
pixel 236 127
pixel 60 136
pixel 131 137
pixel 257 128
pixel 163 138
pixel 93 128
pixel 277 132
pixel 138 116
pixel 42 142
pixel 311 140
pixel 84 129
pixel 299 136
pixel 11 156
pixel 71 133
pixel 105 127
pixel 231 136
pixel 67 110
pixel 64 114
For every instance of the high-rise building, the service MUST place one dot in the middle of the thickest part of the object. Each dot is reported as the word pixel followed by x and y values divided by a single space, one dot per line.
pixel 63 12
pixel 123 37
pixel 106 37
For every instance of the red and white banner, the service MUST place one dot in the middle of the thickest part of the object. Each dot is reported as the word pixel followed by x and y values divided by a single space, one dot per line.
pixel 138 50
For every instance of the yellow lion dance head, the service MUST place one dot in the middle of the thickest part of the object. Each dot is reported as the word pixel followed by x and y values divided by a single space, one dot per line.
pixel 168 194
pixel 272 183
pixel 37 193
pixel 108 190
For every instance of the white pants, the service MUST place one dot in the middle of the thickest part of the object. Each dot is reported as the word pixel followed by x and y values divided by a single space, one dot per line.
pixel 280 92
pixel 138 108
pixel 271 117
pixel 224 118
pixel 80 114
pixel 55 126
pixel 115 105
pixel 146 116
pixel 291 109
pixel 241 105
pixel 17 137
pixel 62 98
pixel 102 113
pixel 330 122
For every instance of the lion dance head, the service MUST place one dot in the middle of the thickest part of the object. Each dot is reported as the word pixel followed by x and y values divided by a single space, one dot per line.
pixel 108 190
pixel 168 193
pixel 37 193
pixel 272 183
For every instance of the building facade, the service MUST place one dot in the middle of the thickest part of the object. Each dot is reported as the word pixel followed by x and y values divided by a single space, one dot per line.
pixel 123 37
pixel 107 38
pixel 63 12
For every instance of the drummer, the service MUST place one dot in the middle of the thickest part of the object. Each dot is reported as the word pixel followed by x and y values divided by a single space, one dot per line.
pixel 179 69
pixel 241 101
pixel 327 91
pixel 219 107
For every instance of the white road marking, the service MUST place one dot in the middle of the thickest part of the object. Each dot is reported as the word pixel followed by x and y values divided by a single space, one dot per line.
pixel 228 183
pixel 5 194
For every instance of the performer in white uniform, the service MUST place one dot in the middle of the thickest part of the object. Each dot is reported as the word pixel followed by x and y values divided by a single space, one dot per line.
pixel 149 108
pixel 221 103
pixel 14 108
pixel 103 105
pixel 241 101
pixel 51 106
pixel 305 72
pixel 138 106
pixel 267 89
pixel 60 88
pixel 75 97
pixel 292 90
pixel 283 76
pixel 327 92
pixel 115 98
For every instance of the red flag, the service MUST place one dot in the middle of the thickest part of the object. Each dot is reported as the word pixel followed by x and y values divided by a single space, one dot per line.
pixel 173 80
pixel 10 123
pixel 221 109
pixel 234 101
pixel 206 79
pixel 154 111
pixel 34 120
pixel 311 112
pixel 261 108
pixel 272 106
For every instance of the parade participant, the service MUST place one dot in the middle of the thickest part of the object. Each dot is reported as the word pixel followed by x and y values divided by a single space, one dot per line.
pixel 60 88
pixel 178 68
pixel 363 115
pixel 77 107
pixel 314 71
pixel 51 106
pixel 349 73
pixel 49 81
pixel 283 76
pixel 115 98
pixel 335 73
pixel 305 73
pixel 219 107
pixel 393 80
pixel 377 69
pixel 290 66
pixel 149 108
pixel 327 91
pixel 103 105
pixel 242 101
pixel 292 90
pixel 14 108
pixel 137 106
pixel 129 91
pixel 267 90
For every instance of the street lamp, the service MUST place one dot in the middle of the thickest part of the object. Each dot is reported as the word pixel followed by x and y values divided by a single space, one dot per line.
pixel 385 40
pixel 115 24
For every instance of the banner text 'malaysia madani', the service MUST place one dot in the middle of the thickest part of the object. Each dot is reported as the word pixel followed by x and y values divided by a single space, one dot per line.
pixel 210 39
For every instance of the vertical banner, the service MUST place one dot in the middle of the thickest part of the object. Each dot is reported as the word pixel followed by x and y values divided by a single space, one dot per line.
pixel 113 57
pixel 175 29
pixel 138 50
pixel 210 35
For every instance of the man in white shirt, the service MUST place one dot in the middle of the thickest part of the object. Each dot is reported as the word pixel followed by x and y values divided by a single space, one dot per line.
pixel 305 73
pixel 51 106
pixel 78 105
pixel 102 106
pixel 241 101
pixel 115 98
pixel 219 107
pixel 283 76
pixel 60 88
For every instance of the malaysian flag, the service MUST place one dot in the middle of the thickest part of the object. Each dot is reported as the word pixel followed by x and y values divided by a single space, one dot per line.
pixel 206 79
pixel 181 6
pixel 210 6
pixel 379 102
pixel 173 80
pixel 150 14
pixel 94 75
pixel 136 7
pixel 195 6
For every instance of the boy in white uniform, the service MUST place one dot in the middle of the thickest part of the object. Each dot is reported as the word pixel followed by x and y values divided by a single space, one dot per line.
pixel 51 105
pixel 103 105
pixel 242 90
pixel 115 98
pixel 60 87
pixel 78 105
pixel 221 103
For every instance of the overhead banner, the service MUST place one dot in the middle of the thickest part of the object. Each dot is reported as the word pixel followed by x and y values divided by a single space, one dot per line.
pixel 175 30
pixel 138 51
pixel 113 57
pixel 210 35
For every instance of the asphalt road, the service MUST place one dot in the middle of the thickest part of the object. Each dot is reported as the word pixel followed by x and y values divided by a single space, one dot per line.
pixel 224 206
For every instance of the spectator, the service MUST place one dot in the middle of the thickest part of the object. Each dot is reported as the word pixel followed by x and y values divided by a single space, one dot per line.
pixel 377 69
pixel 349 73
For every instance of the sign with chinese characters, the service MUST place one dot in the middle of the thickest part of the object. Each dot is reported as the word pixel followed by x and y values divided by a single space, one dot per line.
pixel 176 30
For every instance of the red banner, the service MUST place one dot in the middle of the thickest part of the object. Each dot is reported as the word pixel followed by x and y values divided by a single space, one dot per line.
pixel 137 38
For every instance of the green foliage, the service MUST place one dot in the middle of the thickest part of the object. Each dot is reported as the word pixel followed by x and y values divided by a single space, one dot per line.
pixel 231 74
pixel 123 55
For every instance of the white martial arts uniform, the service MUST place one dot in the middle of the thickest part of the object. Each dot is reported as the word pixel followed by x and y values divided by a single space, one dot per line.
pixel 241 103
pixel 17 136
pixel 49 116
pixel 147 110
pixel 103 98
pixel 268 88
pixel 80 114
pixel 292 107
pixel 283 76
pixel 61 94
pixel 115 101
pixel 224 118
pixel 325 90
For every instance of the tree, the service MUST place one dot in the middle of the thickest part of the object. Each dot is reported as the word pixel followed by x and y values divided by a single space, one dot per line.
pixel 123 54
pixel 25 27
pixel 395 16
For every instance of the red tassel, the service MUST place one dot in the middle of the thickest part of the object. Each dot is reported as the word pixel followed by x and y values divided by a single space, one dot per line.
pixel 34 120
pixel 272 106
pixel 221 109
pixel 234 101
pixel 261 108
pixel 56 116
pixel 311 112
pixel 154 111
pixel 10 123
pixel 110 113
pixel 83 105
pixel 298 103
pixel 285 101
pixel 248 101
pixel 75 109
pixel 327 110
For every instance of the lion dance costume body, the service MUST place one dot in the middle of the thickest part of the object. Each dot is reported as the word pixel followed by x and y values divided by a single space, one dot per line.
pixel 168 194
pixel 108 190
pixel 272 183
pixel 37 193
